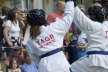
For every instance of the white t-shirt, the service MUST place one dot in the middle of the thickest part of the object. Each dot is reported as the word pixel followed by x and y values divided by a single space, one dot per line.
pixel 13 30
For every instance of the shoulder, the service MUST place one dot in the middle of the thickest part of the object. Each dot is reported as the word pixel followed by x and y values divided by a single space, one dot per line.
pixel 105 22
pixel 8 23
pixel 24 65
pixel 95 26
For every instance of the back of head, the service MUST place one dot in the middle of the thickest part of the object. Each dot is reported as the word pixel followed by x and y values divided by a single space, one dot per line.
pixel 36 17
pixel 60 5
pixel 96 13
pixel 11 15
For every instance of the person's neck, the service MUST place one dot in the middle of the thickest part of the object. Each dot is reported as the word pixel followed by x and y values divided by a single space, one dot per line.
pixel 106 19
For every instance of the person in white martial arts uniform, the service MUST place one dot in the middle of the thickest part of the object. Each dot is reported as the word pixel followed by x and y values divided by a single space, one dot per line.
pixel 96 59
pixel 45 41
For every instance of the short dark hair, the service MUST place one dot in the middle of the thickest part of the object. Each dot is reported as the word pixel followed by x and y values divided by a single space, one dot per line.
pixel 106 13
pixel 97 13
pixel 36 17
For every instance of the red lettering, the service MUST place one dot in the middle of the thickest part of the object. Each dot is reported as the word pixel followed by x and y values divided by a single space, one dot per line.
pixel 47 38
pixel 46 41
pixel 51 36
pixel 41 46
pixel 42 41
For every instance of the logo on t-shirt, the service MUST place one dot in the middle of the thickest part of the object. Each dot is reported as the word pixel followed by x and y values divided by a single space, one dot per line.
pixel 47 40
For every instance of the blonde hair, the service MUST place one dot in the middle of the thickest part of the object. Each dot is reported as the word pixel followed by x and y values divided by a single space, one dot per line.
pixel 59 3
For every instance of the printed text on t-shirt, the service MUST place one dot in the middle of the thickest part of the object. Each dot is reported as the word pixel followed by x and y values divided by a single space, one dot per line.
pixel 46 40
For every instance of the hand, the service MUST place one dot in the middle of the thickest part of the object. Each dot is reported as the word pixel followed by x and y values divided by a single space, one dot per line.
pixel 68 0
pixel 10 44
pixel 75 2
pixel 21 37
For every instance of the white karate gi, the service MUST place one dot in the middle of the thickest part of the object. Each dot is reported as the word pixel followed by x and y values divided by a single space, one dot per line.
pixel 51 38
pixel 97 41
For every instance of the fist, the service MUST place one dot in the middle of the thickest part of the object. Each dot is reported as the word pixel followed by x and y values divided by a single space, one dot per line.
pixel 68 0
pixel 75 2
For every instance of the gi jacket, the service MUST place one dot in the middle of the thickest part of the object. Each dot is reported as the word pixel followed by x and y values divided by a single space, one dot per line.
pixel 97 35
pixel 51 36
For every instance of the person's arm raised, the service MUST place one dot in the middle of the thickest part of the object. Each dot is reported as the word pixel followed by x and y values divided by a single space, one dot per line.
pixel 75 3
pixel 82 21
pixel 62 25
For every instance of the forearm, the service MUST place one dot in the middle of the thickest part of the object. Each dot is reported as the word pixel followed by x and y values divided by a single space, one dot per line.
pixel 62 25
pixel 81 19
pixel 6 37
pixel 5 32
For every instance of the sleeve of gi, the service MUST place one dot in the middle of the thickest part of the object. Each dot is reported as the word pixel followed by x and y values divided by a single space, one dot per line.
pixel 62 25
pixel 82 21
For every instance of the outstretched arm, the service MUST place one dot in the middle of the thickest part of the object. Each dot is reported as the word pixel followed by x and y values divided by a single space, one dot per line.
pixel 62 25
pixel 83 22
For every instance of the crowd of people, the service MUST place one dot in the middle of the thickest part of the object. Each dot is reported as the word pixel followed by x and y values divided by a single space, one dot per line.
pixel 13 53
pixel 55 42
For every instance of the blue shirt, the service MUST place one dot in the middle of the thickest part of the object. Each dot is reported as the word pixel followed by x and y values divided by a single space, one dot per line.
pixel 29 67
